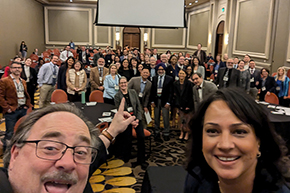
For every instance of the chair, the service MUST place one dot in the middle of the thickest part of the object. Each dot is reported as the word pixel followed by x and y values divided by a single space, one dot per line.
pixel 211 78
pixel 56 52
pixel 103 125
pixel 187 55
pixel 211 67
pixel 147 135
pixel 96 96
pixel 59 96
pixel 206 66
pixel 19 122
pixel 288 73
pixel 272 98
pixel 274 74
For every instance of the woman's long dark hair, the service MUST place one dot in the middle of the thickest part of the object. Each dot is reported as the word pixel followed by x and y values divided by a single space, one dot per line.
pixel 248 111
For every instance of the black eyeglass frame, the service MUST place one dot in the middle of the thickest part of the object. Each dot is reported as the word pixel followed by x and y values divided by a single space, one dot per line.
pixel 93 153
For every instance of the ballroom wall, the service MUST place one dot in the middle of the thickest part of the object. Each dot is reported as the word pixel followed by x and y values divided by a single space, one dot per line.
pixel 20 20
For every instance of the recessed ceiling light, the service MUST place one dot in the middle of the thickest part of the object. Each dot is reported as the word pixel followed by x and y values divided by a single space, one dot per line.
pixel 190 3
pixel 71 1
pixel 196 1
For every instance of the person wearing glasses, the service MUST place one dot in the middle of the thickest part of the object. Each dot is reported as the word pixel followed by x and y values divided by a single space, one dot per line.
pixel 14 99
pixel 228 76
pixel 58 155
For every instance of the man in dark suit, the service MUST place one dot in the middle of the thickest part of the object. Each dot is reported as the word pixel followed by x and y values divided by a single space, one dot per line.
pixel 14 99
pixel 200 54
pixel 161 98
pixel 255 78
pixel 142 86
pixel 228 76
pixel 201 89
pixel 84 56
pixel 29 75
pixel 108 59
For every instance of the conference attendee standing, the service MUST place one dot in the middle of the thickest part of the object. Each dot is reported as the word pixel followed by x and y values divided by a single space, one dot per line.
pixel 23 50
pixel 14 99
pixel 84 56
pixel 184 102
pixel 96 57
pixel 217 65
pixel 47 77
pixel 200 54
pixel 111 85
pixel 29 75
pixel 255 79
pixel 62 73
pixel 65 54
pixel 98 74
pixel 126 69
pixel 244 76
pixel 228 76
pixel 282 87
pixel 172 69
pixel 161 98
pixel 152 68
pixel 267 84
pixel 142 86
pixel 76 82
pixel 197 67
pixel 124 140
pixel 201 90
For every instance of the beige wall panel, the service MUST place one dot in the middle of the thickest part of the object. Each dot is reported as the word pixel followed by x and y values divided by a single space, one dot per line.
pixel 282 34
pixel 103 34
pixel 66 25
pixel 20 20
pixel 168 36
pixel 198 29
pixel 252 25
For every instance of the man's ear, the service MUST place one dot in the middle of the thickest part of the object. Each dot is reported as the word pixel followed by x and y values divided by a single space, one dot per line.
pixel 14 153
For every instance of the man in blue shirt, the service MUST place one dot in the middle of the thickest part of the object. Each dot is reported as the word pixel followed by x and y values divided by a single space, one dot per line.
pixel 46 80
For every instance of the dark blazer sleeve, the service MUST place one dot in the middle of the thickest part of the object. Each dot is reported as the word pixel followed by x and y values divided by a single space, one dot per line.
pixel 272 84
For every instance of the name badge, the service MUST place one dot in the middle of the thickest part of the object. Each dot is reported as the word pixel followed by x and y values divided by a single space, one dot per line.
pixel 116 87
pixel 20 94
pixel 130 109
pixel 252 79
pixel 263 88
pixel 140 94
pixel 216 71
pixel 159 91
pixel 226 79
pixel 78 73
pixel 278 88
pixel 101 79
pixel 176 78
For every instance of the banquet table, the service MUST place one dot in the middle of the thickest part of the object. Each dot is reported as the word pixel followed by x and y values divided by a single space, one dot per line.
pixel 93 113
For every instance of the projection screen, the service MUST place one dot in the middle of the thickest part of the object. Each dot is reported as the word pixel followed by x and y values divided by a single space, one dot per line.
pixel 141 13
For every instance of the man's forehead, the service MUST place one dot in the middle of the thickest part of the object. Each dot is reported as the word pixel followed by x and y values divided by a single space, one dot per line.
pixel 60 124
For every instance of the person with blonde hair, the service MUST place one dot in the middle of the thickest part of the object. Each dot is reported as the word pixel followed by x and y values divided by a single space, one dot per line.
pixel 282 87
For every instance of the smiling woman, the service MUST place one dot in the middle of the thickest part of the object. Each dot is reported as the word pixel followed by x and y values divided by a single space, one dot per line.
pixel 233 147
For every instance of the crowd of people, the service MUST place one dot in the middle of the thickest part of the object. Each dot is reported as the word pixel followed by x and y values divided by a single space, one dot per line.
pixel 191 91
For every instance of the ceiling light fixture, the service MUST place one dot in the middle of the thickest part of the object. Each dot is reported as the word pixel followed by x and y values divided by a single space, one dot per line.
pixel 71 1
pixel 196 1
pixel 190 3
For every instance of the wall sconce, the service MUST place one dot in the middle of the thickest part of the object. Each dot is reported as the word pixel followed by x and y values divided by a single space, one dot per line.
pixel 117 38
pixel 227 39
pixel 145 39
pixel 209 39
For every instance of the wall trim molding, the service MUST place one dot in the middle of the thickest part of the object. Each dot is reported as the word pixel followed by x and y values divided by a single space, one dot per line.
pixel 265 54
pixel 47 41
pixel 205 9
pixel 154 45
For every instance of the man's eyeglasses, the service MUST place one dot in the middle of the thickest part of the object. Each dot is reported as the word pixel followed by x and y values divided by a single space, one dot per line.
pixel 16 67
pixel 54 150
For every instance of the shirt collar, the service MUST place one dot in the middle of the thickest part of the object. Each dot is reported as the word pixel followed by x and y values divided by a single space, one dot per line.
pixel 143 81
pixel 201 85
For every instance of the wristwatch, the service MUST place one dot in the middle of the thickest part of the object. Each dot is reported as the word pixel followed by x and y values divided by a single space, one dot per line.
pixel 108 135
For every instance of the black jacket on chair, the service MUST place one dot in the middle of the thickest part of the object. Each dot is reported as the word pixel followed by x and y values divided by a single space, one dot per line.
pixel 167 90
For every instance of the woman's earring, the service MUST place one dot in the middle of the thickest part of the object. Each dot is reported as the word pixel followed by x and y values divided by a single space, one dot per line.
pixel 259 154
